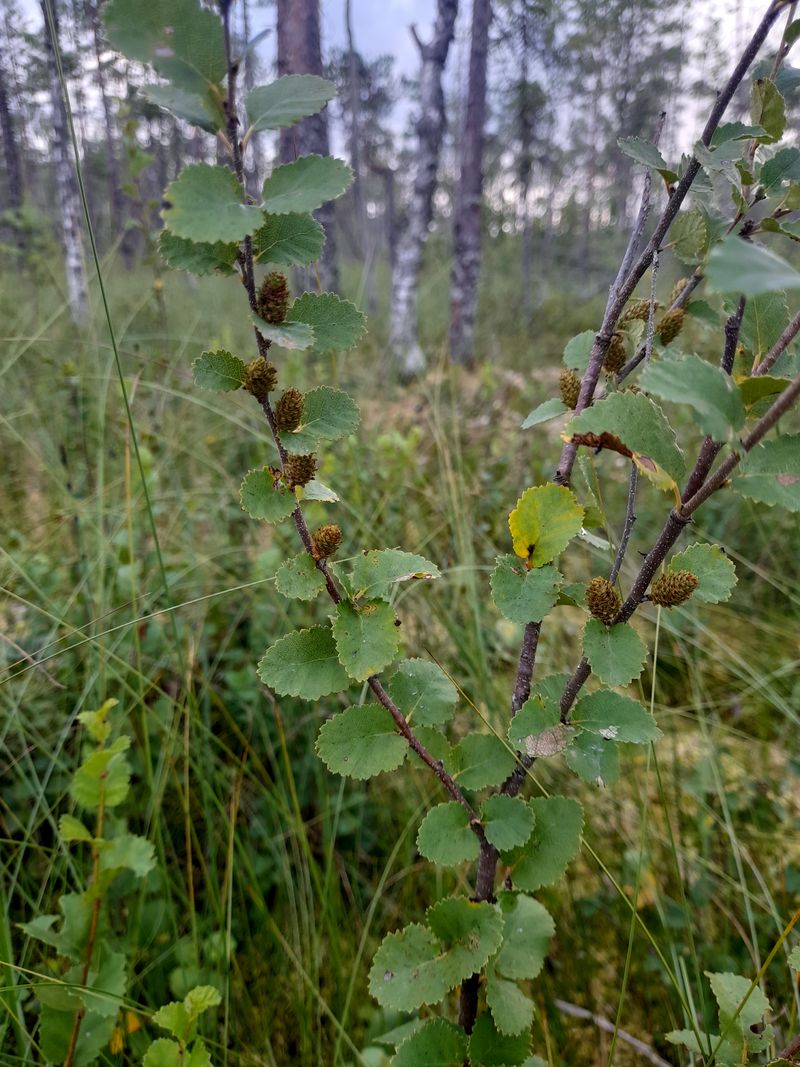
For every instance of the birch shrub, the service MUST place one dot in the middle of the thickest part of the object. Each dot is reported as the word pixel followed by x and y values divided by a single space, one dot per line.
pixel 463 979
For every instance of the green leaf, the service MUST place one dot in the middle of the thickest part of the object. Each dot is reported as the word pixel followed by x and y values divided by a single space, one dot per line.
pixel 764 320
pixel 734 131
pixel 578 350
pixel 375 572
pixel 549 409
pixel 489 1048
pixel 206 203
pixel 304 664
pixel 293 335
pixel 767 109
pixel 72 829
pixel 201 108
pixel 593 759
pixel 423 692
pixel 523 595
pixel 201 999
pixel 739 266
pixel 646 153
pixel 511 1010
pixel 713 396
pixel 337 324
pixel 544 522
pixel 292 240
pixel 262 498
pixel 129 851
pixel 287 100
pixel 105 772
pixel 616 654
pixel 199 1056
pixel 770 473
pixel 299 578
pixel 537 729
pixel 180 39
pixel 481 760
pixel 361 742
pixel 469 934
pixel 689 1039
pixel 528 929
pixel 328 415
pixel 106 986
pixel 616 718
pixel 783 166
pixel 729 991
pixel 437 1043
pixel 640 424
pixel 445 837
pixel 556 838
pixel 434 741
pixel 305 184
pixel 162 1053
pixel 174 1018
pixel 689 235
pixel 218 371
pixel 55 1033
pixel 197 257
pixel 755 389
pixel 507 821
pixel 794 958
pixel 366 637
pixel 712 568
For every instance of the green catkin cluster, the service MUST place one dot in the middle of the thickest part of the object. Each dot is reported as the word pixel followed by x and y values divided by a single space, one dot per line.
pixel 603 600
pixel 670 325
pixel 637 309
pixel 677 289
pixel 569 384
pixel 325 541
pixel 273 298
pixel 673 588
pixel 614 359
pixel 260 378
pixel 299 469
pixel 289 410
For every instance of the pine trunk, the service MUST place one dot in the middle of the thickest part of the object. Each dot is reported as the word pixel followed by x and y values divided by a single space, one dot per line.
pixel 10 149
pixel 300 52
pixel 467 223
pixel 430 126
pixel 69 207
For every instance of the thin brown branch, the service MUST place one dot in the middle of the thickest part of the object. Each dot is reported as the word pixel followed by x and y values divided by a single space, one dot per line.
pixel 644 1050
pixel 780 346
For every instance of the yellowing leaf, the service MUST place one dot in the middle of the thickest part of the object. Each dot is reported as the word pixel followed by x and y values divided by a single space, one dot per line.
pixel 544 522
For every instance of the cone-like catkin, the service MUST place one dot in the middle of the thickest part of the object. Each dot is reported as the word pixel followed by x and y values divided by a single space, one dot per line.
pixel 637 309
pixel 273 298
pixel 616 355
pixel 670 325
pixel 289 410
pixel 603 600
pixel 677 289
pixel 260 378
pixel 569 384
pixel 299 469
pixel 673 588
pixel 325 541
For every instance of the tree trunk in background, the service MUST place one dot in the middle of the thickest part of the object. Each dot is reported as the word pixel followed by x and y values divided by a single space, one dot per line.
pixel 116 197
pixel 10 149
pixel 363 232
pixel 525 134
pixel 467 224
pixel 300 52
pixel 430 126
pixel 254 159
pixel 66 184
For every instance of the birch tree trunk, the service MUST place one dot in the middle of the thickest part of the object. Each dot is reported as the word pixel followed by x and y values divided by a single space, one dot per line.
pixel 467 223
pixel 66 184
pixel 430 125
pixel 300 52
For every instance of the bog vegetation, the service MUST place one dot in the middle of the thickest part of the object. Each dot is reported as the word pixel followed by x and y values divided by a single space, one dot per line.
pixel 357 722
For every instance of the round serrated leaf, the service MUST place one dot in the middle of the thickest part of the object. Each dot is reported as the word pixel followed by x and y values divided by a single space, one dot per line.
pixel 328 414
pixel 528 929
pixel 303 664
pixel 469 933
pixel 423 692
pixel 616 654
pixel 337 323
pixel 197 257
pixel 489 1048
pixel 292 240
pixel 544 522
pixel 366 637
pixel 293 335
pixel 507 821
pixel 593 759
pixel 305 184
pixel 537 728
pixel 437 1043
pixel 261 498
pixel 556 837
pixel 407 970
pixel 522 595
pixel 616 718
pixel 511 1010
pixel 206 203
pixel 374 573
pixel 219 371
pixel 361 742
pixel 200 108
pixel 713 396
pixel 299 578
pixel 770 473
pixel 481 760
pixel 287 100
pixel 445 837
pixel 544 412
